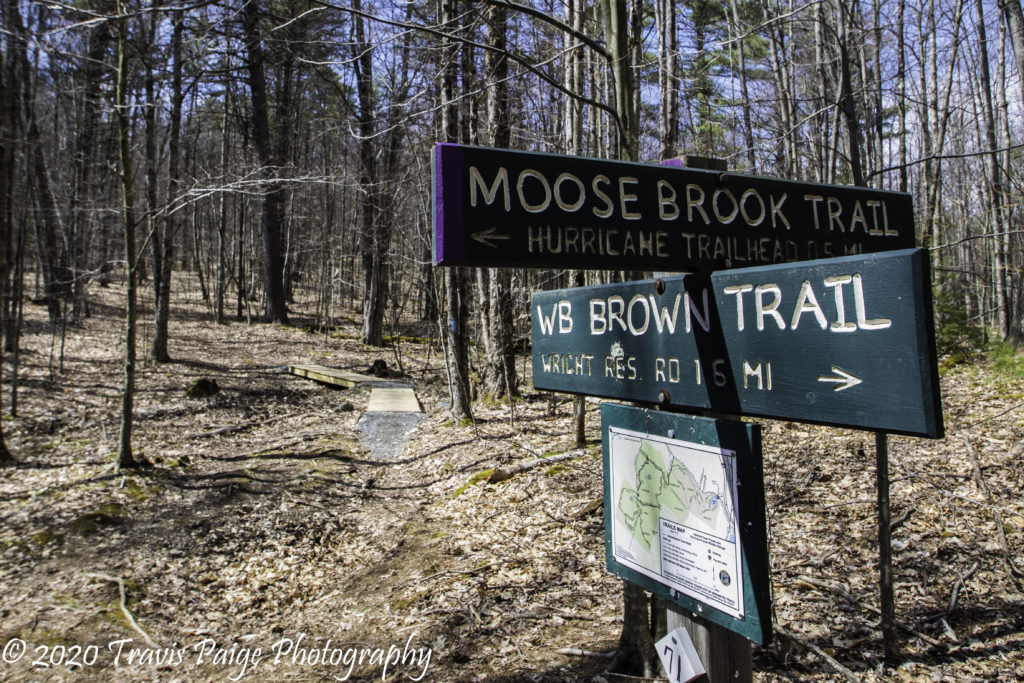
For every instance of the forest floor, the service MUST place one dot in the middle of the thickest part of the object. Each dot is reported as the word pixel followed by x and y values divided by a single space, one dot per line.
pixel 264 543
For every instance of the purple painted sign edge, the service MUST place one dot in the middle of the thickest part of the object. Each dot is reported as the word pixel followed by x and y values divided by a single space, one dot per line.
pixel 448 205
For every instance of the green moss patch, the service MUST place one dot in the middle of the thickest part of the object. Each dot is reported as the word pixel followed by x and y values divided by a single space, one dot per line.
pixel 107 515
pixel 483 476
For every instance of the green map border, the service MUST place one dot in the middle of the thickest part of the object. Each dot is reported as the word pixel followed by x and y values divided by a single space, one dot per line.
pixel 745 440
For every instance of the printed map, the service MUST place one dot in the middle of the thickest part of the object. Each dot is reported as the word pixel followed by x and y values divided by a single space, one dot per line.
pixel 674 515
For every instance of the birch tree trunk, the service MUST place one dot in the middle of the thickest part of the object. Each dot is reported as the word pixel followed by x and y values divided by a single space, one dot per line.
pixel 997 189
pixel 668 68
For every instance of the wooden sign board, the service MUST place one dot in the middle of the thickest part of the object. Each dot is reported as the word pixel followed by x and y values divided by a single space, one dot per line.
pixel 846 342
pixel 684 513
pixel 495 207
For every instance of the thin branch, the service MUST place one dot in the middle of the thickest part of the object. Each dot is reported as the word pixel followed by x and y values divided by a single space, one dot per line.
pixel 940 157
pixel 124 606
pixel 519 59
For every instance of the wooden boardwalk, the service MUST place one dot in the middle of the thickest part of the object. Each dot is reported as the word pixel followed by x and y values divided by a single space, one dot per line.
pixel 321 373
pixel 386 397
pixel 393 400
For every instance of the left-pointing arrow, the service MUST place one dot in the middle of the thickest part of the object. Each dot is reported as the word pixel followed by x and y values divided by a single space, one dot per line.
pixel 487 237
pixel 844 381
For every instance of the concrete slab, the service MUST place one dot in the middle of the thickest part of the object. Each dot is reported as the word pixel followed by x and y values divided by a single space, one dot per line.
pixel 384 434
pixel 393 400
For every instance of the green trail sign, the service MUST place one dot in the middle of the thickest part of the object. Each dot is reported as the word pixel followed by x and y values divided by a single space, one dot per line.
pixel 684 513
pixel 846 341
pixel 495 207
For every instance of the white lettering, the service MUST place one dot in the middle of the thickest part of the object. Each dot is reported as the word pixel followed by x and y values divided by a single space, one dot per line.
pixel 739 291
pixel 597 316
pixel 771 309
pixel 695 200
pixel 625 197
pixel 638 299
pixel 806 302
pixel 547 325
pixel 667 201
pixel 533 208
pixel 840 324
pixel 743 207
pixel 608 206
pixel 662 318
pixel 500 180
pixel 703 320
pixel 858 302
pixel 729 217
pixel 564 317
pixel 562 204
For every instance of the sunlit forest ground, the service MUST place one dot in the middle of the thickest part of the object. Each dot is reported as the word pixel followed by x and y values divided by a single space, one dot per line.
pixel 261 523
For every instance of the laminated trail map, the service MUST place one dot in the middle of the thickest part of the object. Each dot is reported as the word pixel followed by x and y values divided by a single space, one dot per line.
pixel 675 517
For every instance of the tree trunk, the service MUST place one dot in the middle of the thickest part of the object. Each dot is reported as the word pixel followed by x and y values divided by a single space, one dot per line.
pixel 636 655
pixel 374 243
pixel 499 377
pixel 668 121
pixel 1014 19
pixel 124 451
pixel 997 188
pixel 222 224
pixel 1013 15
pixel 456 291
pixel 846 100
pixel 636 648
pixel 10 95
pixel 164 230
pixel 748 128
pixel 901 92
pixel 84 223
pixel 617 34
pixel 57 277
pixel 272 217
pixel 6 175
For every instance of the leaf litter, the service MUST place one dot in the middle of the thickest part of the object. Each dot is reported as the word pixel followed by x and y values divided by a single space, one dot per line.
pixel 264 524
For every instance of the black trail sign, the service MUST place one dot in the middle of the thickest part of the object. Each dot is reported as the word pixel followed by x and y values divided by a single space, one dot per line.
pixel 495 207
pixel 846 341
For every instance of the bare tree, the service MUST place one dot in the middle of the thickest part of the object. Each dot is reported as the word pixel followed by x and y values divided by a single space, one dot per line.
pixel 273 193
pixel 163 231
pixel 121 113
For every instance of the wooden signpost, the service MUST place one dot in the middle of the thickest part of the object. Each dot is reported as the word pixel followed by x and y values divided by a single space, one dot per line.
pixel 495 207
pixel 846 342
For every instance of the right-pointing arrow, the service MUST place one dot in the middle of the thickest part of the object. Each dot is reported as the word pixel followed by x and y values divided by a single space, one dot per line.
pixel 844 381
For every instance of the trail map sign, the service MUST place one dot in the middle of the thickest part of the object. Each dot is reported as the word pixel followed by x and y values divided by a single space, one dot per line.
pixel 495 207
pixel 677 520
pixel 846 341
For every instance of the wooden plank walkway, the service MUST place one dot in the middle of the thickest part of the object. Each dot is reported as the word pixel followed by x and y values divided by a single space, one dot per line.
pixel 393 400
pixel 321 373
pixel 390 398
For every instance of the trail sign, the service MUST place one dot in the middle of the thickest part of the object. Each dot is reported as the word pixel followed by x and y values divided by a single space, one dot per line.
pixel 495 207
pixel 684 513
pixel 846 341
